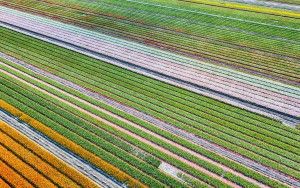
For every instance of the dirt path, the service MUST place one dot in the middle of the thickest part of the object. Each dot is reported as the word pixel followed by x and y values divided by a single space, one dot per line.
pixel 119 128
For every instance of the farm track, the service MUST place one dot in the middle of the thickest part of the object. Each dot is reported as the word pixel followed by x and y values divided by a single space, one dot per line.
pixel 202 143
pixel 262 102
pixel 124 130
pixel 75 161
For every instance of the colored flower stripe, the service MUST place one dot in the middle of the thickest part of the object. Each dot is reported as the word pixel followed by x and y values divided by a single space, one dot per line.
pixel 108 168
pixel 3 184
pixel 252 8
pixel 50 158
pixel 13 177
pixel 47 170
pixel 36 178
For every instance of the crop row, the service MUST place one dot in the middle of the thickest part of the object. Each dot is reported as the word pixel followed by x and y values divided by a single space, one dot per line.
pixel 23 168
pixel 182 43
pixel 142 77
pixel 119 153
pixel 152 139
pixel 260 97
pixel 277 64
pixel 230 55
pixel 128 168
pixel 225 109
pixel 183 142
pixel 252 8
pixel 154 53
pixel 42 172
pixel 64 141
pixel 144 146
pixel 12 176
pixel 188 43
pixel 243 56
pixel 77 76
pixel 4 183
pixel 191 110
pixel 152 13
pixel 53 167
pixel 287 108
pixel 107 148
pixel 78 163
pixel 186 9
pixel 288 1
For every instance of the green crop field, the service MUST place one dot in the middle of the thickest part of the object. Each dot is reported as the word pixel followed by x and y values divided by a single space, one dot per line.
pixel 151 93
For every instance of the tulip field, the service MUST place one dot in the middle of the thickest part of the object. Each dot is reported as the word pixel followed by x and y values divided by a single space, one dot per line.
pixel 24 163
pixel 153 93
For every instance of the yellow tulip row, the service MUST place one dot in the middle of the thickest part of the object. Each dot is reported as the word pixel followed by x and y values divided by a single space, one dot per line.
pixel 246 7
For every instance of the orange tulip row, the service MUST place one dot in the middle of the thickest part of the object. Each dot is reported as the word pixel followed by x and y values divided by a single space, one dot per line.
pixel 74 178
pixel 37 163
pixel 3 184
pixel 105 166
pixel 13 177
pixel 21 167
